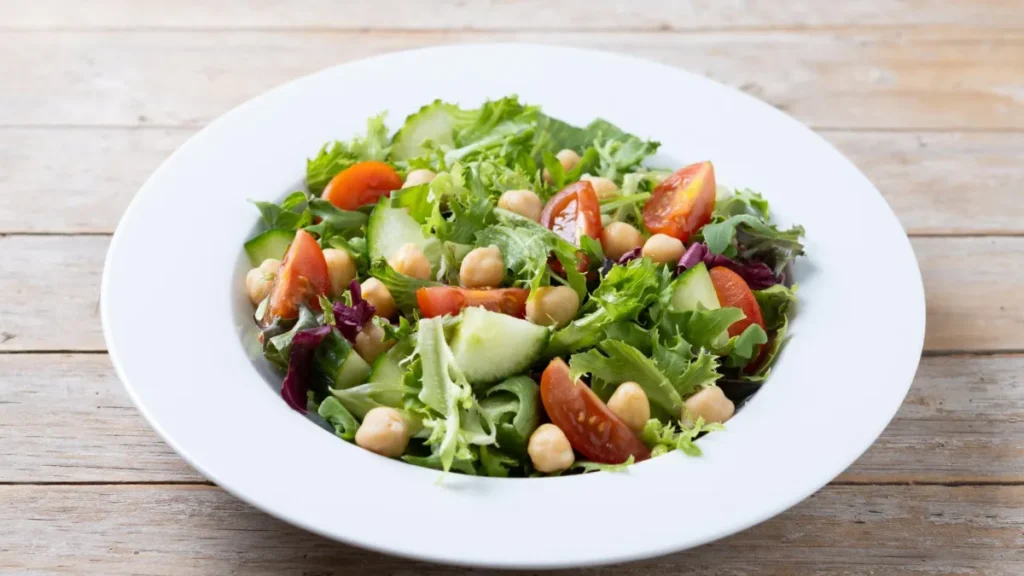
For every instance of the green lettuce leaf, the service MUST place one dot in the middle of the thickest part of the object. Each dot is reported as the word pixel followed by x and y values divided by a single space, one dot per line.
pixel 623 363
pixel 403 288
pixel 661 437
pixel 345 424
pixel 775 303
pixel 337 156
pixel 291 214
pixel 739 202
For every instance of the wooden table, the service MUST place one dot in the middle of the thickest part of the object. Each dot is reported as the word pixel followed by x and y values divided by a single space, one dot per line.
pixel 926 96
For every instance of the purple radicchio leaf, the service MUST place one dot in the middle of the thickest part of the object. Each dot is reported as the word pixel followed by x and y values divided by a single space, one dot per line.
pixel 757 275
pixel 629 256
pixel 351 319
pixel 694 254
pixel 300 363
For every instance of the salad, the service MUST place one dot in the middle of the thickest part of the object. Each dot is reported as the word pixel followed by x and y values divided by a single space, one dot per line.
pixel 496 292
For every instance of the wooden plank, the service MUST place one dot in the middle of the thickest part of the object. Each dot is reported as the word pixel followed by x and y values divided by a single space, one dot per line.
pixel 502 15
pixel 51 292
pixel 883 78
pixel 963 421
pixel 973 295
pixel 197 530
pixel 71 180
pixel 943 183
pixel 971 283
pixel 923 175
pixel 66 418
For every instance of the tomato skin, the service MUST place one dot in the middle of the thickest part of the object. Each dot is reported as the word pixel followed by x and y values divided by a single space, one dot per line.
pixel 683 203
pixel 303 275
pixel 573 212
pixel 592 429
pixel 733 292
pixel 360 184
pixel 440 300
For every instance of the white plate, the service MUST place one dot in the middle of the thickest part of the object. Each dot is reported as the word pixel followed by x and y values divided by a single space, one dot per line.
pixel 175 317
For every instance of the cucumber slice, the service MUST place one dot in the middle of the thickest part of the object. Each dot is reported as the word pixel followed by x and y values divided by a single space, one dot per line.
pixel 432 122
pixel 353 371
pixel 270 244
pixel 694 287
pixel 489 346
pixel 387 368
pixel 391 228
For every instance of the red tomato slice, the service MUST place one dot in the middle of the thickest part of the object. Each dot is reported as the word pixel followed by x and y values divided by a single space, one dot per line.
pixel 302 276
pixel 573 212
pixel 683 203
pixel 592 429
pixel 733 292
pixel 360 184
pixel 440 300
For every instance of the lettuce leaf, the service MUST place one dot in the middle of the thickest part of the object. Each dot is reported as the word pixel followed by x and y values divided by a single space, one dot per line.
pixel 775 303
pixel 403 288
pixel 512 406
pixel 291 214
pixel 661 437
pixel 337 156
pixel 623 363
pixel 345 424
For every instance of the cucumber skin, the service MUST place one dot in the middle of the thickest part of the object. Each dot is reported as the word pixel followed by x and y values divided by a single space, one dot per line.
pixel 694 287
pixel 477 342
pixel 269 244
pixel 375 238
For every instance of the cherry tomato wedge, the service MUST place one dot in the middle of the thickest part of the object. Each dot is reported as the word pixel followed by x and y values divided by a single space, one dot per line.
pixel 360 184
pixel 683 203
pixel 440 300
pixel 592 429
pixel 573 212
pixel 733 292
pixel 302 276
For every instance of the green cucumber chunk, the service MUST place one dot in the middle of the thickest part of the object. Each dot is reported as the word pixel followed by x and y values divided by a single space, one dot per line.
pixel 391 228
pixel 489 346
pixel 353 371
pixel 694 287
pixel 270 244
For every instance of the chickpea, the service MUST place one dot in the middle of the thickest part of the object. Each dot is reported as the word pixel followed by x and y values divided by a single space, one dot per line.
pixel 629 402
pixel 567 158
pixel 377 294
pixel 384 432
pixel 417 177
pixel 370 342
pixel 710 404
pixel 260 280
pixel 522 202
pixel 552 305
pixel 663 249
pixel 482 268
pixel 603 187
pixel 618 238
pixel 549 449
pixel 340 268
pixel 409 260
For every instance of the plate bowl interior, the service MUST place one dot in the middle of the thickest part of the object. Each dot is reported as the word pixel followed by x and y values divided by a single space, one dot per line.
pixel 822 407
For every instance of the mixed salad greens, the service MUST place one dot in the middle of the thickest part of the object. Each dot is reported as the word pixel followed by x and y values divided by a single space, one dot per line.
pixel 496 292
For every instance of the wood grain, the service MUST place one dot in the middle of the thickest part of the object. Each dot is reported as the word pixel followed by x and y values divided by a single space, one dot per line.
pixel 923 175
pixel 199 530
pixel 862 79
pixel 502 15
pixel 52 288
pixel 51 292
pixel 66 418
